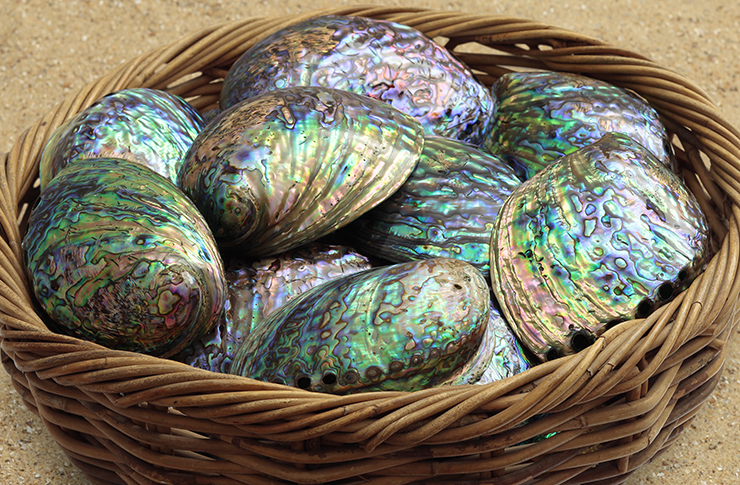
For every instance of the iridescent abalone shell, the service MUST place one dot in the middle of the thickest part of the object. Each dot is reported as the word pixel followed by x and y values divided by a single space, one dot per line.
pixel 499 356
pixel 446 208
pixel 117 255
pixel 258 288
pixel 603 235
pixel 402 327
pixel 287 167
pixel 381 59
pixel 210 115
pixel 541 116
pixel 148 126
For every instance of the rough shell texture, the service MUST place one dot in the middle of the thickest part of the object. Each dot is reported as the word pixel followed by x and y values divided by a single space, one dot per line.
pixel 403 327
pixel 257 288
pixel 287 167
pixel 384 60
pixel 603 235
pixel 541 116
pixel 147 126
pixel 446 208
pixel 499 356
pixel 118 255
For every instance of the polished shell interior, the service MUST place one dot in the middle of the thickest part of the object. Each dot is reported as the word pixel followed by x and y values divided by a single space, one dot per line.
pixel 402 327
pixel 603 235
pixel 147 126
pixel 385 60
pixel 117 255
pixel 285 168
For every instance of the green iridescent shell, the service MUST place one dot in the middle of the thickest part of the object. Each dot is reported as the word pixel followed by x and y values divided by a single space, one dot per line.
pixel 257 288
pixel 541 116
pixel 446 208
pixel 117 255
pixel 147 126
pixel 403 327
pixel 603 235
pixel 285 168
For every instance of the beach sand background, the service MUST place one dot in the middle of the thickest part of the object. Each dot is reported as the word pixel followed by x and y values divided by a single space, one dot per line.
pixel 49 49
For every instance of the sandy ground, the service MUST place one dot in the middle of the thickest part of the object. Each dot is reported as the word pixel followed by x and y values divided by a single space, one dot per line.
pixel 48 49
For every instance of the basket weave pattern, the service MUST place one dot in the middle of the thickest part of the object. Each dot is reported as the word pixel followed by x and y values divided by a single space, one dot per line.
pixel 126 418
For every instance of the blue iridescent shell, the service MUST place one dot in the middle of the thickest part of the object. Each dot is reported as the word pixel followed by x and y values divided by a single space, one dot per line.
pixel 603 235
pixel 499 356
pixel 381 59
pixel 446 208
pixel 257 288
pixel 403 327
pixel 117 255
pixel 541 116
pixel 285 168
pixel 146 126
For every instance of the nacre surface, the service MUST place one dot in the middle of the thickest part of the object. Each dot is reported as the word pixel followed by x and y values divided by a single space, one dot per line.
pixel 257 288
pixel 147 126
pixel 402 327
pixel 603 235
pixel 499 356
pixel 446 208
pixel 541 116
pixel 117 255
pixel 381 59
pixel 288 167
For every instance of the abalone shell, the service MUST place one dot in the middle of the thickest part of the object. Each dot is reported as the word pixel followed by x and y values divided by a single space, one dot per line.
pixel 377 58
pixel 603 235
pixel 117 255
pixel 402 327
pixel 147 126
pixel 541 116
pixel 287 167
pixel 499 356
pixel 446 208
pixel 257 288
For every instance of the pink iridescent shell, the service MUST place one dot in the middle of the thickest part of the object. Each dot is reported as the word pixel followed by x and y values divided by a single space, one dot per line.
pixel 381 59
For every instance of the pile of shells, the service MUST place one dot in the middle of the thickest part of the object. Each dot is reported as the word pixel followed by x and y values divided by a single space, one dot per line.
pixel 362 214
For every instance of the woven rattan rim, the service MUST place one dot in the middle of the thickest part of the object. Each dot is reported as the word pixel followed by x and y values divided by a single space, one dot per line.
pixel 126 418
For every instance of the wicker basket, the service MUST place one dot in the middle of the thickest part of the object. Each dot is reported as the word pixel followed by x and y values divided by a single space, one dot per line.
pixel 127 418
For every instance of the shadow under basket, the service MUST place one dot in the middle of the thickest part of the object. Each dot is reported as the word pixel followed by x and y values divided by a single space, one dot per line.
pixel 126 418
